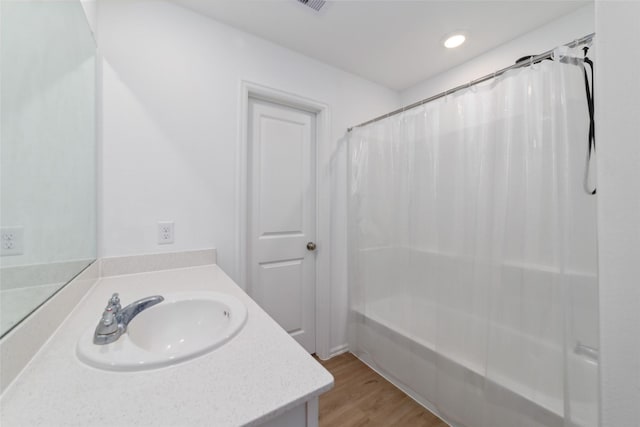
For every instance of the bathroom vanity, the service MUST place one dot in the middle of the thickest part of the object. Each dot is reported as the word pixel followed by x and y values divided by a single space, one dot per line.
pixel 261 376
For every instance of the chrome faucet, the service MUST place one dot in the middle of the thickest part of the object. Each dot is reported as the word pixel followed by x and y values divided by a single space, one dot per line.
pixel 115 319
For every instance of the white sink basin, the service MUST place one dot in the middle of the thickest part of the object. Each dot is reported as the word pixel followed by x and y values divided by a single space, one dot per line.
pixel 183 326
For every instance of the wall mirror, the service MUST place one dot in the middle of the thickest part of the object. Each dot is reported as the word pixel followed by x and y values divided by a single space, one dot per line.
pixel 48 152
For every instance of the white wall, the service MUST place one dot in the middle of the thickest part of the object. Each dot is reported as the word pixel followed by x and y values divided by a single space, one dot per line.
pixel 171 94
pixel 558 32
pixel 618 133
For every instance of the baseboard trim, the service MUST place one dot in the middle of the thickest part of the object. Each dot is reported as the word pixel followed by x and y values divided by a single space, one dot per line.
pixel 336 351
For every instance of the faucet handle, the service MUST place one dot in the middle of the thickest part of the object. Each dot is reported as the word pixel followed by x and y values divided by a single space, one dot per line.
pixel 114 303
pixel 108 317
pixel 108 325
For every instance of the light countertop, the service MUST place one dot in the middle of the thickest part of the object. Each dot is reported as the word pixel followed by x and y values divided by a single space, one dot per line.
pixel 258 375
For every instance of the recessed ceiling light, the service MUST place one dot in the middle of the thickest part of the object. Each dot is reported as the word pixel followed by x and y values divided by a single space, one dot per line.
pixel 454 40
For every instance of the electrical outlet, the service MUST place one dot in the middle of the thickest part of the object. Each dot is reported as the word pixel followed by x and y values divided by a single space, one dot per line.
pixel 11 241
pixel 165 232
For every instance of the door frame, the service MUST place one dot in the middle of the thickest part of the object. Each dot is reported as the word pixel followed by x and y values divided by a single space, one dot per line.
pixel 323 213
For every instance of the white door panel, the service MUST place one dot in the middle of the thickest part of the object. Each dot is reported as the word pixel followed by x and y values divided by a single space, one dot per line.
pixel 285 146
pixel 272 247
pixel 283 278
pixel 282 216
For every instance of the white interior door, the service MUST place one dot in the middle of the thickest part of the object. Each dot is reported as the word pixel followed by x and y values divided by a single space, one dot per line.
pixel 282 216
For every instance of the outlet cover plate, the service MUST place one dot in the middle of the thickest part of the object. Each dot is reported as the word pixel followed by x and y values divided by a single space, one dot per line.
pixel 11 241
pixel 165 232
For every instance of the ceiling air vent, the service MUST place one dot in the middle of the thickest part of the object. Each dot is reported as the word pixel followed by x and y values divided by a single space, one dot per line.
pixel 313 4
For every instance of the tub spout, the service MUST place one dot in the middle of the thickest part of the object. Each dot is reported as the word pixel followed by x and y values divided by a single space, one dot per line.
pixel 587 351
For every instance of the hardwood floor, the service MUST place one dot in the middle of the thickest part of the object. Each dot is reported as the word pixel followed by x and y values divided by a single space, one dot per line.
pixel 361 397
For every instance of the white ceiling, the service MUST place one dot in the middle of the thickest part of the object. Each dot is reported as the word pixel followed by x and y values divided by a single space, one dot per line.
pixel 394 42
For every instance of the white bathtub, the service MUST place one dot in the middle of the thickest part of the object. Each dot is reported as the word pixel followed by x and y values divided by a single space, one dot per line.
pixel 460 385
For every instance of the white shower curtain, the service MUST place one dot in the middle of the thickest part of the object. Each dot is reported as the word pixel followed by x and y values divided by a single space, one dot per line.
pixel 472 242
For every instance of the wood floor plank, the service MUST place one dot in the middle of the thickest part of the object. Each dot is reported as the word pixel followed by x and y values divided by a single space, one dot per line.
pixel 361 397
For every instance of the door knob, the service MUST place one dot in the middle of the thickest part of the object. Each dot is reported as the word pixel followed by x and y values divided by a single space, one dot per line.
pixel 311 246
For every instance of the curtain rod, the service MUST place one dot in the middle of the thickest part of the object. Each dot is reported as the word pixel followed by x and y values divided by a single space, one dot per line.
pixel 542 56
